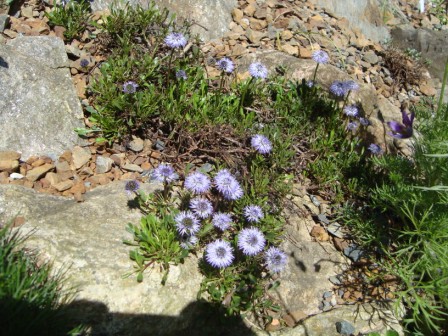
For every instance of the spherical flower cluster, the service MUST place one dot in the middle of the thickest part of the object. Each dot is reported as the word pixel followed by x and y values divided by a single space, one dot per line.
pixel 197 182
pixel 130 87
pixel 375 149
pixel 227 185
pixel 225 65
pixel 258 70
pixel 201 207
pixel 187 223
pixel 275 259
pixel 181 74
pixel 222 220
pixel 84 63
pixel 165 173
pixel 351 111
pixel 176 40
pixel 132 186
pixel 320 56
pixel 351 126
pixel 364 121
pixel 338 88
pixel 188 242
pixel 309 83
pixel 219 253
pixel 351 85
pixel 253 213
pixel 261 144
pixel 251 241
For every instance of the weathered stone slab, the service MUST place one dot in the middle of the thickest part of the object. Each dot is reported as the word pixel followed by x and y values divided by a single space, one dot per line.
pixel 212 17
pixel 39 109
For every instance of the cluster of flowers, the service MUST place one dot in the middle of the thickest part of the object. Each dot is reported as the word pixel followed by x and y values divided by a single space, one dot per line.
pixel 342 89
pixel 220 253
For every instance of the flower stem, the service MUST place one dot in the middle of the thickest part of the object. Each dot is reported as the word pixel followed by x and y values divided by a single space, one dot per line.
pixel 315 73
pixel 445 79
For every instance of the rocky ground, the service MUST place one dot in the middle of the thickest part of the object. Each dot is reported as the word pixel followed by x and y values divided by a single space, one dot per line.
pixel 296 28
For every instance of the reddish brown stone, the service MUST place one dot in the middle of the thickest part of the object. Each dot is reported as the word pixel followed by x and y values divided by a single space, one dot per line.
pixel 19 221
pixel 319 233
pixel 39 162
pixel 4 178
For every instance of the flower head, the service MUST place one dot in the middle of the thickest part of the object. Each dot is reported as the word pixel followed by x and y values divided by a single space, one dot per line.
pixel 320 56
pixel 222 220
pixel 253 213
pixel 351 126
pixel 338 88
pixel 258 70
pixel 201 207
pixel 165 173
pixel 251 241
pixel 131 186
pixel 181 74
pixel 219 253
pixel 309 83
pixel 225 65
pixel 187 223
pixel 351 85
pixel 197 182
pixel 84 63
pixel 261 144
pixel 404 130
pixel 227 185
pixel 175 40
pixel 364 121
pixel 188 242
pixel 351 111
pixel 375 149
pixel 130 87
pixel 275 259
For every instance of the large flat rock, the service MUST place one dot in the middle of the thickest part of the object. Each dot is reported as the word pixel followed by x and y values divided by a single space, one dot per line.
pixel 211 18
pixel 39 108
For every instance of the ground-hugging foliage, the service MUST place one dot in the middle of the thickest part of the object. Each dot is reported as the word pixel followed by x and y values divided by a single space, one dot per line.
pixel 154 83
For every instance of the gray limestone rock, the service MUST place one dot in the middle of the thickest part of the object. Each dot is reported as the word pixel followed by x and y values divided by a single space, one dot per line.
pixel 433 46
pixel 365 16
pixel 211 17
pixel 39 109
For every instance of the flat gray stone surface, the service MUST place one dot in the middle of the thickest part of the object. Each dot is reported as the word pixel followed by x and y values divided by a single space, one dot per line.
pixel 39 108
pixel 212 16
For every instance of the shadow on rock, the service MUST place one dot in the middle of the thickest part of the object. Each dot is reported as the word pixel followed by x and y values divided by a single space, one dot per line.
pixel 197 319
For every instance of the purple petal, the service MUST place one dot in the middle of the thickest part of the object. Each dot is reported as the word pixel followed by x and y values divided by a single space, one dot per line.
pixel 396 127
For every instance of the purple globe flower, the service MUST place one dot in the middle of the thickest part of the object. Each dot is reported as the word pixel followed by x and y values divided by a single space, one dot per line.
pixel 219 253
pixel 222 220
pixel 351 126
pixel 176 40
pixel 225 65
pixel 84 63
pixel 351 85
pixel 187 223
pixel 338 88
pixel 275 259
pixel 404 130
pixel 201 207
pixel 351 111
pixel 309 83
pixel 364 121
pixel 131 186
pixel 253 213
pixel 181 74
pixel 251 241
pixel 375 149
pixel 165 173
pixel 188 242
pixel 261 144
pixel 197 182
pixel 258 70
pixel 227 185
pixel 320 56
pixel 130 87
